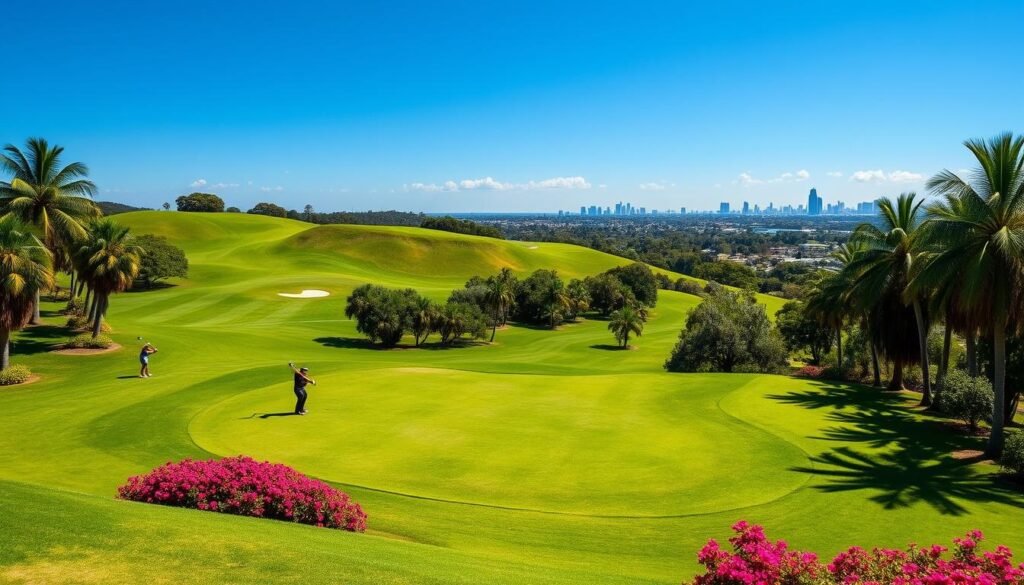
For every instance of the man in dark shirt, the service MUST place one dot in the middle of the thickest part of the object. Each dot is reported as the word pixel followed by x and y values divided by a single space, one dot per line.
pixel 301 379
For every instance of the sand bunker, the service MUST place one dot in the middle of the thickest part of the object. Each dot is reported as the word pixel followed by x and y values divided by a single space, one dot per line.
pixel 306 294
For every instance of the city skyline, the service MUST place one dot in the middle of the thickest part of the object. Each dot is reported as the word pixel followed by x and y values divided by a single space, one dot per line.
pixel 815 206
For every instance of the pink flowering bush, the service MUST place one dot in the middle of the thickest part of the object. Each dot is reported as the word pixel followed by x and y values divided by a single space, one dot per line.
pixel 754 560
pixel 243 486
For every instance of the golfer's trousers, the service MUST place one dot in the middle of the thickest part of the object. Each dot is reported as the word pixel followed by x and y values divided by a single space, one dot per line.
pixel 300 399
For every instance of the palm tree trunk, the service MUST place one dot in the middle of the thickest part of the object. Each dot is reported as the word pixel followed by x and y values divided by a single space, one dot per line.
pixel 874 364
pixel 36 317
pixel 922 337
pixel 839 346
pixel 995 441
pixel 625 340
pixel 5 340
pixel 896 382
pixel 947 342
pixel 92 305
pixel 494 327
pixel 71 289
pixel 972 353
pixel 101 306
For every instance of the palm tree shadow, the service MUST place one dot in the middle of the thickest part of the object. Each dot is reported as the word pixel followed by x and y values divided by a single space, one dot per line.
pixel 917 464
pixel 607 347
pixel 38 339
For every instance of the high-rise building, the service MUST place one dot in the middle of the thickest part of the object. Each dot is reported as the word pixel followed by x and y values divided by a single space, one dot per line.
pixel 746 208
pixel 583 210
pixel 723 207
pixel 682 211
pixel 813 203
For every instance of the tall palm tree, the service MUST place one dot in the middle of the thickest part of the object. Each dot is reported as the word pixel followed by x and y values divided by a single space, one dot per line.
pixel 629 319
pixel 24 269
pixel 425 319
pixel 500 296
pixel 111 263
pixel 54 199
pixel 556 303
pixel 883 269
pixel 978 234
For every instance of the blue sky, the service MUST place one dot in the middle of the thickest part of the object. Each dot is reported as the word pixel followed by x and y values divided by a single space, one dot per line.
pixel 510 106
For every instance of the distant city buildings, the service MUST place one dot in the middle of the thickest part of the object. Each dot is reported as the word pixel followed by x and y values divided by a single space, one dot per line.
pixel 815 206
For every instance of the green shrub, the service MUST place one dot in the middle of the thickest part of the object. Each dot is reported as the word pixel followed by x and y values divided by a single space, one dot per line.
pixel 82 323
pixel 15 375
pixel 86 341
pixel 967 398
pixel 1013 453
pixel 74 307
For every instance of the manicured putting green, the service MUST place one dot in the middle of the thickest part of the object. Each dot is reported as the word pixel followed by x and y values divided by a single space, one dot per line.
pixel 549 443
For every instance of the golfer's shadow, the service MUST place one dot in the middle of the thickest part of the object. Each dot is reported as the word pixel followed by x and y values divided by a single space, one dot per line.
pixel 267 415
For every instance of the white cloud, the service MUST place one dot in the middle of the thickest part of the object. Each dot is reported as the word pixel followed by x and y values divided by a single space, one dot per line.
pixel 905 177
pixel 652 186
pixel 874 176
pixel 224 185
pixel 880 176
pixel 747 179
pixel 489 183
pixel 834 174
pixel 269 189
pixel 198 183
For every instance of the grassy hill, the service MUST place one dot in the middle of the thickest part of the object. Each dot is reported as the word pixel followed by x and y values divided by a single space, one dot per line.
pixel 545 457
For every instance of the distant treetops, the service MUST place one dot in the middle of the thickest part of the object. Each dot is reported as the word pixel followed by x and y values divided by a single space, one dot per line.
pixel 483 305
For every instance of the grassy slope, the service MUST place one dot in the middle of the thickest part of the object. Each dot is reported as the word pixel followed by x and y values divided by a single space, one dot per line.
pixel 539 422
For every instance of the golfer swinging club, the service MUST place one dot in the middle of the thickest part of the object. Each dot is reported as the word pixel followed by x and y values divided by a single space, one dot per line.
pixel 301 379
pixel 147 350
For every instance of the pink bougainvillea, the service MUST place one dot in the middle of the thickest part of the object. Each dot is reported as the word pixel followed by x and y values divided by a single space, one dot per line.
pixel 754 560
pixel 243 486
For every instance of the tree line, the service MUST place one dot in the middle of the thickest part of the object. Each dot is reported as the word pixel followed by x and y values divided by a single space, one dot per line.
pixel 482 305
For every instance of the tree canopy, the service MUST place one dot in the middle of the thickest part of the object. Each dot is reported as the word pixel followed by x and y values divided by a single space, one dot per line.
pixel 203 202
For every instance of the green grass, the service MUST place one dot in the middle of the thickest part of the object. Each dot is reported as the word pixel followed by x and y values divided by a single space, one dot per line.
pixel 547 457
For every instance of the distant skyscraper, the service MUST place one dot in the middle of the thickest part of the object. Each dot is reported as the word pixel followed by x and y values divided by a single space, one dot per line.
pixel 813 203
pixel 583 210
pixel 723 207
pixel 746 207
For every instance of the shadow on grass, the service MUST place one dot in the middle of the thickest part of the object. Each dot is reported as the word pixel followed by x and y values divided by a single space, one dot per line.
pixel 608 347
pixel 38 339
pixel 361 343
pixel 917 463
pixel 142 288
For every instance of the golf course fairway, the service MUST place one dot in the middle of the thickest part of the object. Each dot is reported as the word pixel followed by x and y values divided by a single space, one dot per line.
pixel 548 456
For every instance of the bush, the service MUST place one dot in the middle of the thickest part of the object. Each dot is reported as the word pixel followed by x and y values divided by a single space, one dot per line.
pixel 160 259
pixel 607 293
pixel 967 398
pixel 1012 460
pixel 383 315
pixel 74 307
pixel 269 209
pixel 204 202
pixel 638 278
pixel 14 375
pixel 243 486
pixel 690 287
pixel 82 323
pixel 541 299
pixel 86 341
pixel 728 332
pixel 754 560
pixel 810 372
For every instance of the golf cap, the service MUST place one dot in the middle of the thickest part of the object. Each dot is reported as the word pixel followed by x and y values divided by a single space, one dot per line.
pixel 303 369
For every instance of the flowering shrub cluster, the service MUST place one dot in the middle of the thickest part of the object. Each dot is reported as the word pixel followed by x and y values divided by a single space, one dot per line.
pixel 810 372
pixel 243 486
pixel 754 560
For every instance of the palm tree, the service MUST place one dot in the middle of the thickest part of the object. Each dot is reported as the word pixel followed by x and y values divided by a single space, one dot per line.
pixel 425 320
pixel 628 319
pixel 978 234
pixel 24 269
pixel 500 295
pixel 883 269
pixel 53 198
pixel 111 264
pixel 556 302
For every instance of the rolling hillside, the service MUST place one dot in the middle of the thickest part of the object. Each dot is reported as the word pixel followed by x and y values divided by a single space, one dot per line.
pixel 545 457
